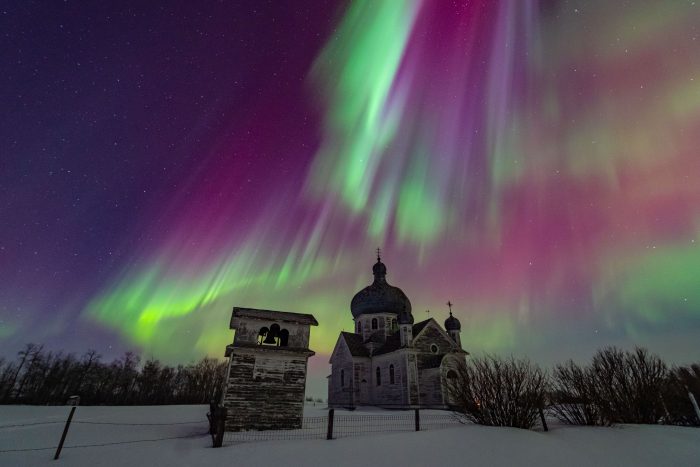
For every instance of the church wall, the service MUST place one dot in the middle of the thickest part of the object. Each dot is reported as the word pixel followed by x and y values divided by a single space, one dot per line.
pixel 430 387
pixel 412 373
pixel 339 395
pixel 362 382
pixel 385 324
pixel 265 390
pixel 388 394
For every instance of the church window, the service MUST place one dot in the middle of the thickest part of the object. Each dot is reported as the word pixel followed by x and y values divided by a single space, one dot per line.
pixel 262 334
pixel 284 338
pixel 434 348
pixel 394 327
pixel 451 374
pixel 391 374
pixel 374 323
pixel 342 378
pixel 379 376
pixel 359 327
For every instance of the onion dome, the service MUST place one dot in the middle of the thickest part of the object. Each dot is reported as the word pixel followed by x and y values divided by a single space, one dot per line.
pixel 379 297
pixel 452 323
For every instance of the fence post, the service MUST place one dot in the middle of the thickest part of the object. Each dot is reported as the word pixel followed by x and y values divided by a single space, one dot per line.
pixel 544 422
pixel 331 413
pixel 65 432
pixel 417 420
pixel 220 420
pixel 695 403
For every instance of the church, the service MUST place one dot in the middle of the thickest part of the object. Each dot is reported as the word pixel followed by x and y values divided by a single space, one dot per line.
pixel 390 361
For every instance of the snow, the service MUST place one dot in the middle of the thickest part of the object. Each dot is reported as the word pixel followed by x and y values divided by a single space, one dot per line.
pixel 625 445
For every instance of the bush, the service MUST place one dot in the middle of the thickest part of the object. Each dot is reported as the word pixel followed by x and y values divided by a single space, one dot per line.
pixel 682 381
pixel 618 387
pixel 497 392
pixel 629 385
pixel 573 395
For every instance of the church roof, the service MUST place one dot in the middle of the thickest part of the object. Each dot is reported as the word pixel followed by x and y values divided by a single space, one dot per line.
pixel 355 344
pixel 418 327
pixel 393 342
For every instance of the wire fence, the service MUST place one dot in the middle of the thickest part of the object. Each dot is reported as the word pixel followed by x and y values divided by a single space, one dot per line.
pixel 197 434
pixel 331 426
pixel 311 428
pixel 349 425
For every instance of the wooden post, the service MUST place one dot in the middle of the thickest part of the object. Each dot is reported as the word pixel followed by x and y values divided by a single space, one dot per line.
pixel 220 421
pixel 65 432
pixel 695 404
pixel 329 434
pixel 544 422
pixel 417 420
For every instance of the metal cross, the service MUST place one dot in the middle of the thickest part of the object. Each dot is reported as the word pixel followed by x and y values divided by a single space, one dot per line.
pixel 449 304
pixel 379 254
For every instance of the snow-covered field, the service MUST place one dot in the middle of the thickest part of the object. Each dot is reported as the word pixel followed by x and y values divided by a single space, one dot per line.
pixel 633 445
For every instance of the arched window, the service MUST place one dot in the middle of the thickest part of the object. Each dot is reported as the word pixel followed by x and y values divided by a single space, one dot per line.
pixel 262 334
pixel 379 377
pixel 342 378
pixel 374 323
pixel 284 338
pixel 391 374
pixel 451 374
pixel 359 327
pixel 394 326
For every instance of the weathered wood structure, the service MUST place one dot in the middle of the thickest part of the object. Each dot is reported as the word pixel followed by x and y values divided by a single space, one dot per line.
pixel 389 361
pixel 266 376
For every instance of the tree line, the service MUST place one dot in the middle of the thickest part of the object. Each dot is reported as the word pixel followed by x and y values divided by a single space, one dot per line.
pixel 38 376
pixel 617 386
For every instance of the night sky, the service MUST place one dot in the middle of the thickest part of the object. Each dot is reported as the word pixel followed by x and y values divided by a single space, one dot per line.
pixel 535 163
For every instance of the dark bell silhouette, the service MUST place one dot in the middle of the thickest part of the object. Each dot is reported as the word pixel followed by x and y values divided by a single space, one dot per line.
pixel 270 338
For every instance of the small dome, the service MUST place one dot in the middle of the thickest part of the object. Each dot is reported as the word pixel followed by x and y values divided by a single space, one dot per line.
pixel 452 323
pixel 379 269
pixel 379 297
pixel 405 317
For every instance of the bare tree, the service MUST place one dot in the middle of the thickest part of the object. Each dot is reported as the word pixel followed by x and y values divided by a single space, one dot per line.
pixel 493 391
pixel 573 395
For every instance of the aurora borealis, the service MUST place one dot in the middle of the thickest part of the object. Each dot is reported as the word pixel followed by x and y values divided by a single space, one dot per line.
pixel 536 163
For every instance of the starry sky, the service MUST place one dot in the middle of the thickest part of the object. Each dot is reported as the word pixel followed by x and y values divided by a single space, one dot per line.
pixel 534 162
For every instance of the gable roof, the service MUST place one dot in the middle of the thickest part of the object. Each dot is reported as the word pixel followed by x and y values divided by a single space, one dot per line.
pixel 418 327
pixel 272 315
pixel 355 344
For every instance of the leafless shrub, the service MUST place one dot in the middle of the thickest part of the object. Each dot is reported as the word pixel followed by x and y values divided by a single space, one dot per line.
pixel 681 382
pixel 573 395
pixel 498 392
pixel 628 385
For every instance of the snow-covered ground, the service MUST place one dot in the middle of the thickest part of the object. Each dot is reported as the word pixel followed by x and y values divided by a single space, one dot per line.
pixel 633 445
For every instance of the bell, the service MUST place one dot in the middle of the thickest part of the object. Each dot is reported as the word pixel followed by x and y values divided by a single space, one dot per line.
pixel 270 338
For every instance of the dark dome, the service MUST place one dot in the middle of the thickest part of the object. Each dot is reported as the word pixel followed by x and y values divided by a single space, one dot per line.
pixel 379 297
pixel 452 323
